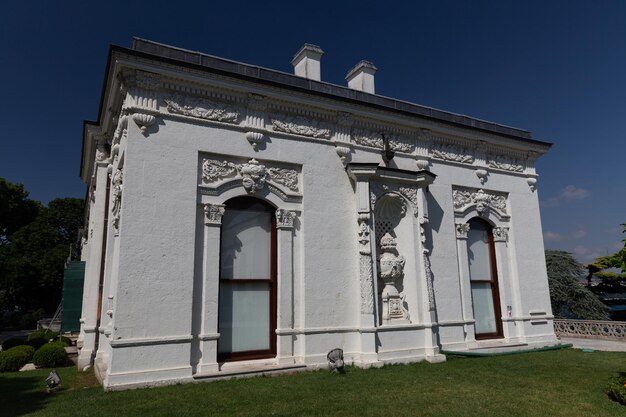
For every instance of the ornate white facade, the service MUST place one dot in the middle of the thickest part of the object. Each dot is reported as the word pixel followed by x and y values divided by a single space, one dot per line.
pixel 375 207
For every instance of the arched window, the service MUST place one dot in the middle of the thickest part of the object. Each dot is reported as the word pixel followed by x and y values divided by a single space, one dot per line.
pixel 247 294
pixel 484 280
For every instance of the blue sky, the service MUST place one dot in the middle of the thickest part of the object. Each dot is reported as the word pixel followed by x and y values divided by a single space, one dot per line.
pixel 556 68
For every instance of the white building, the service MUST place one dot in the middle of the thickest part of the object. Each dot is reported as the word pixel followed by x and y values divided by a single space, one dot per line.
pixel 243 219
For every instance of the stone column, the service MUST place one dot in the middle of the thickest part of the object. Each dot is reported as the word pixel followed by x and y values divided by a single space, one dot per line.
pixel 464 283
pixel 97 226
pixel 210 289
pixel 508 285
pixel 284 331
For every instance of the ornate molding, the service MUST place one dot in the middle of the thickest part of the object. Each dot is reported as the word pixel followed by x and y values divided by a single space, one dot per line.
pixel 201 108
pixel 116 199
pixel 451 152
pixel 213 214
pixel 391 270
pixel 284 218
pixel 365 265
pixel 144 121
pixel 255 119
pixel 483 201
pixel 500 234
pixel 254 175
pixel 532 183
pixel 429 280
pixel 102 153
pixel 377 190
pixel 461 230
pixel 373 139
pixel 300 125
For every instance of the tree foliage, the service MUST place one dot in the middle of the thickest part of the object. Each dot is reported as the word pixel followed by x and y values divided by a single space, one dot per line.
pixel 570 299
pixel 606 268
pixel 35 245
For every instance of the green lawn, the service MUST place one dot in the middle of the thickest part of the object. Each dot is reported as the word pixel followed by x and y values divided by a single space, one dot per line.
pixel 555 383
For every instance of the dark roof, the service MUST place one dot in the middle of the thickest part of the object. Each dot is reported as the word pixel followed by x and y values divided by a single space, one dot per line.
pixel 268 76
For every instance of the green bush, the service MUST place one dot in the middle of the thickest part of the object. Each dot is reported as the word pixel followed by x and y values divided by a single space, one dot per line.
pixel 616 389
pixel 51 355
pixel 13 359
pixel 65 340
pixel 41 337
pixel 12 342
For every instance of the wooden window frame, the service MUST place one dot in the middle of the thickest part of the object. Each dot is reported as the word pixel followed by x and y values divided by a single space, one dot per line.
pixel 244 203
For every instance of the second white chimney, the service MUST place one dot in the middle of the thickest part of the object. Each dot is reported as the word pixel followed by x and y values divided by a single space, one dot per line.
pixel 306 62
pixel 361 77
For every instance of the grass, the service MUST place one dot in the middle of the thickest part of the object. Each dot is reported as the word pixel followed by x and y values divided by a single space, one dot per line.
pixel 556 383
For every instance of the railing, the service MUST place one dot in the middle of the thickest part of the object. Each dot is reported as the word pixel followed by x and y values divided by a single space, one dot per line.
pixel 593 329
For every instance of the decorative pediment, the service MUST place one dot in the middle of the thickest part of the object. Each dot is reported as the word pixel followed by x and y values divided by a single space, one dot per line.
pixel 480 200
pixel 374 139
pixel 201 108
pixel 300 125
pixel 219 175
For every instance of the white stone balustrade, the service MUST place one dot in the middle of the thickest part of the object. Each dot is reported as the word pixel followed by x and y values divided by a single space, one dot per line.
pixel 596 329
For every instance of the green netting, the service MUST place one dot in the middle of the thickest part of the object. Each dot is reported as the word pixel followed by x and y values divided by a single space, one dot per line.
pixel 72 302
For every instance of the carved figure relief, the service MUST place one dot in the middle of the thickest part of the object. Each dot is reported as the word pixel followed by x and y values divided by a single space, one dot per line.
pixel 505 163
pixel 201 108
pixel 462 229
pixel 481 199
pixel 284 218
pixel 299 125
pixel 373 139
pixel 500 234
pixel 254 176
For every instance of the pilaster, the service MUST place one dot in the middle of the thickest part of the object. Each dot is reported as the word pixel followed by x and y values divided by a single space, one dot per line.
pixel 285 348
pixel 462 230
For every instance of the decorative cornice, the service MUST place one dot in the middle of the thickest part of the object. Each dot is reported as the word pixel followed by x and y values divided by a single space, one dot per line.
pixel 213 213
pixel 463 199
pixel 300 125
pixel 201 108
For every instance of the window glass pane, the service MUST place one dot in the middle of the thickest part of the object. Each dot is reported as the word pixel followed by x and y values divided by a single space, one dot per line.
pixel 478 252
pixel 246 244
pixel 484 312
pixel 244 316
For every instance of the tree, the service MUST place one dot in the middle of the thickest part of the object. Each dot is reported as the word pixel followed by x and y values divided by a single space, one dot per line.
pixel 33 255
pixel 570 299
pixel 605 268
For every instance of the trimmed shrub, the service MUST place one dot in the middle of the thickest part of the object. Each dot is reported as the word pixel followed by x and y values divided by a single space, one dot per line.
pixel 13 359
pixel 65 340
pixel 616 389
pixel 12 342
pixel 41 337
pixel 51 355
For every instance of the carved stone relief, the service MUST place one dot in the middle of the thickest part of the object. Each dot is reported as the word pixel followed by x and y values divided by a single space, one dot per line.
pixel 300 125
pixel 284 218
pixel 201 108
pixel 365 265
pixel 116 200
pixel 373 139
pixel 451 152
pixel 481 199
pixel 254 175
pixel 505 163
pixel 500 234
pixel 213 213
pixel 461 230
pixel 379 189
pixel 391 271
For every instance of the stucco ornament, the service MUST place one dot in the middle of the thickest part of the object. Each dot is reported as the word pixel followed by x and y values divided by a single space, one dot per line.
pixel 144 121
pixel 500 234
pixel 299 125
pixel 284 218
pixel 505 163
pixel 450 152
pixel 365 265
pixel 213 170
pixel 483 201
pixel 213 213
pixel 374 139
pixel 116 197
pixel 254 176
pixel 391 269
pixel 461 230
pixel 201 108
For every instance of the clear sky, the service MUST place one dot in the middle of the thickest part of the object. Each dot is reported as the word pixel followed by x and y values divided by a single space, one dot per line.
pixel 556 68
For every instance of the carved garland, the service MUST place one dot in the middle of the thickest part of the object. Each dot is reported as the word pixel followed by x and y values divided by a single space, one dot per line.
pixel 201 108
pixel 299 125
pixel 454 153
pixel 365 265
pixel 506 164
pixel 253 174
pixel 372 139
pixel 116 198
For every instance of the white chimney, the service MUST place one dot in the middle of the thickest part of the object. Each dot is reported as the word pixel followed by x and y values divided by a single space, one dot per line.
pixel 361 77
pixel 306 63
